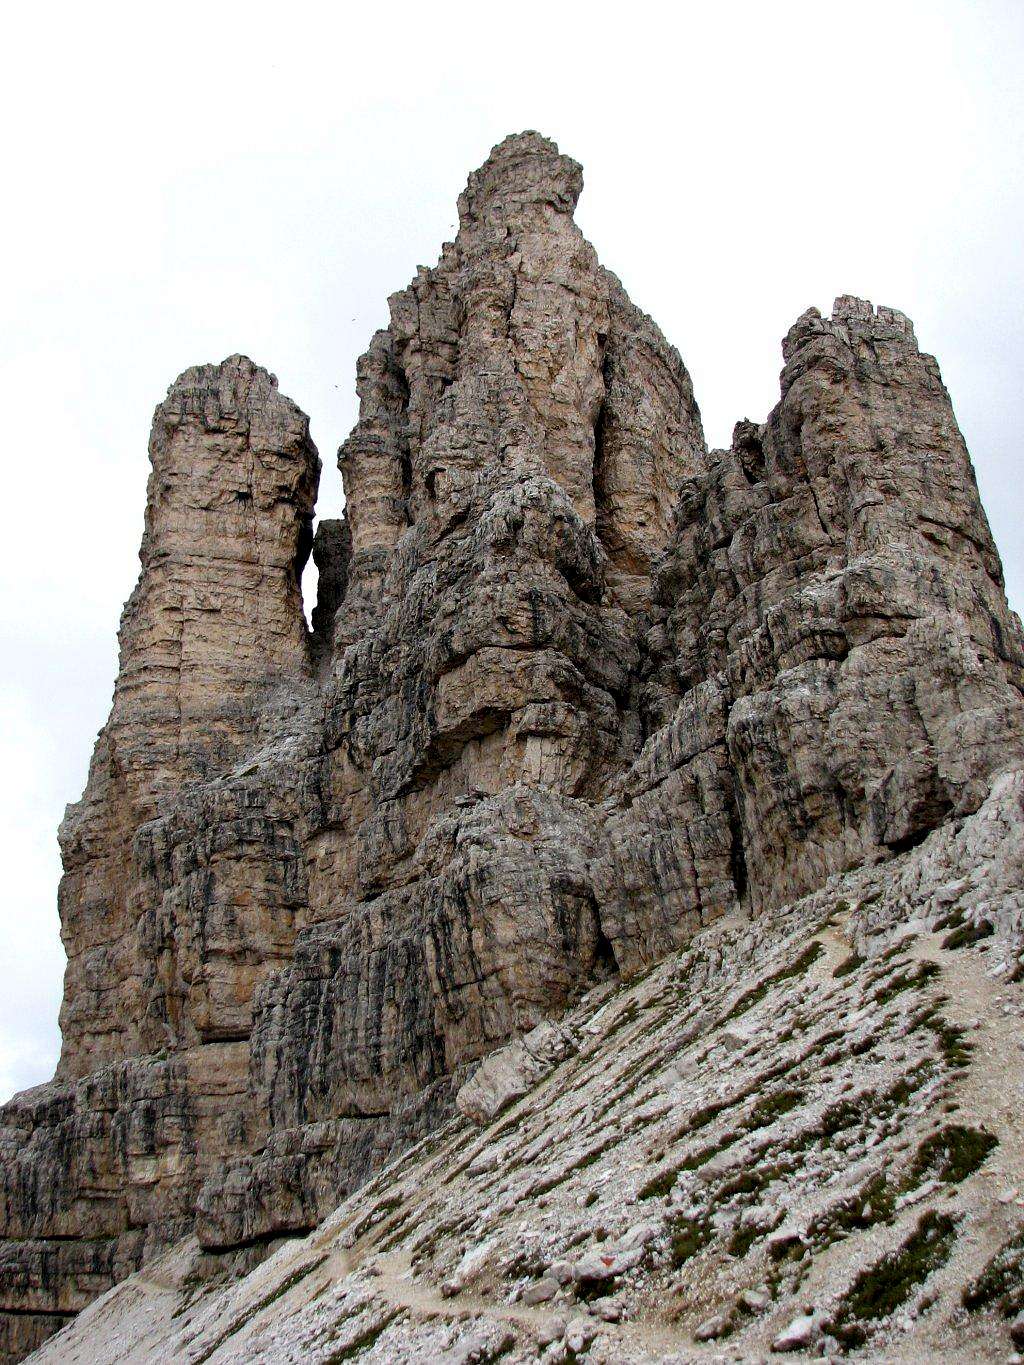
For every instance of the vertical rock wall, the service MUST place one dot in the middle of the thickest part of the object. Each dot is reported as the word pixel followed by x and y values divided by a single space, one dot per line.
pixel 213 628
pixel 833 658
pixel 181 889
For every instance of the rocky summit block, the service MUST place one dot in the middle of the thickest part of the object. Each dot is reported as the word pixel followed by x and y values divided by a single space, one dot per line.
pixel 577 692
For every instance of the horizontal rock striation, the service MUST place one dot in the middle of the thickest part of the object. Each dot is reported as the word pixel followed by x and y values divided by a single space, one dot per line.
pixel 741 1146
pixel 575 688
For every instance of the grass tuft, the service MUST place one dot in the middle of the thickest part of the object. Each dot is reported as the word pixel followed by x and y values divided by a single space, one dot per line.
pixel 885 1286
pixel 757 993
pixel 953 1153
pixel 1001 1284
pixel 848 965
pixel 688 1236
pixel 913 978
pixel 772 1107
pixel 658 1185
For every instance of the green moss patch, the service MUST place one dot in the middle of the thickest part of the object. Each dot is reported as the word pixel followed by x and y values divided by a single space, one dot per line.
pixel 772 1107
pixel 625 1016
pixel 757 993
pixel 364 1342
pixel 952 1039
pixel 912 978
pixel 658 1185
pixel 890 1282
pixel 871 1204
pixel 754 1180
pixel 953 1153
pixel 588 1159
pixel 695 1160
pixel 662 1182
pixel 839 1117
pixel 848 965
pixel 743 1239
pixel 1001 1284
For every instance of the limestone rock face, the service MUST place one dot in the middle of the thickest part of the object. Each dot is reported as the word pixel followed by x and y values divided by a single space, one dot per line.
pixel 180 892
pixel 575 688
pixel 214 626
pixel 798 1135
pixel 833 670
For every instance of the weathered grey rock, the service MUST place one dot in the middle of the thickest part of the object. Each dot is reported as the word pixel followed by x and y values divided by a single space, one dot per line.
pixel 605 1263
pixel 177 898
pixel 579 1333
pixel 878 1097
pixel 712 1328
pixel 541 1291
pixel 513 1070
pixel 575 689
pixel 832 687
pixel 213 628
pixel 797 1335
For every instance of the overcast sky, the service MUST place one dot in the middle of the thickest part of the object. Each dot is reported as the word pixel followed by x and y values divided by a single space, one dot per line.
pixel 185 181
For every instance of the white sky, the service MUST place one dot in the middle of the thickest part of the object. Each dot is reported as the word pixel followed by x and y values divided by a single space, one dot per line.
pixel 188 180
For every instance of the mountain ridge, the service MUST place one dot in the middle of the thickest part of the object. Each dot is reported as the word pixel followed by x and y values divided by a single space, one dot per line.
pixel 577 690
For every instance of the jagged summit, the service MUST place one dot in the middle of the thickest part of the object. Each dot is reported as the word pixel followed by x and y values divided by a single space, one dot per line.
pixel 581 698
pixel 522 171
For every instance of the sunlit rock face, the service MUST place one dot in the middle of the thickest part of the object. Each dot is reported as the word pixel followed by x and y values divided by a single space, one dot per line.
pixel 575 688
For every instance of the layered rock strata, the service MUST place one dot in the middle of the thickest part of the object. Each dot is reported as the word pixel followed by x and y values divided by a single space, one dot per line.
pixel 575 688
pixel 800 1141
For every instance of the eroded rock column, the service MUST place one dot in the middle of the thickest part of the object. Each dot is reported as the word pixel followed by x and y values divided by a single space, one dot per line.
pixel 214 625
pixel 183 880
